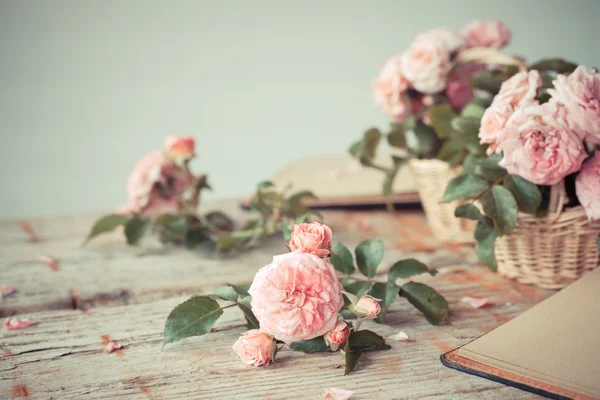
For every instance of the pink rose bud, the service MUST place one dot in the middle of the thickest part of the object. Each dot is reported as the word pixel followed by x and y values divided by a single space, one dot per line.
pixel 255 348
pixel 112 346
pixel 11 324
pixel 313 238
pixel 180 146
pixel 367 307
pixel 338 335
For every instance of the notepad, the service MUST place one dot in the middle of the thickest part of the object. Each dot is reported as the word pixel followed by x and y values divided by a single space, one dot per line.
pixel 553 349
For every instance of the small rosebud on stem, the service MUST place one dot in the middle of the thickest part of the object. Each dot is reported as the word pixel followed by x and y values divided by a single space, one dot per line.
pixel 337 336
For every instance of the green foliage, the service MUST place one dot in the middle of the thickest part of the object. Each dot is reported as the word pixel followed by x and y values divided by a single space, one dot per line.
pixel 408 268
pixel 244 305
pixel 315 345
pixel 421 140
pixel 108 223
pixel 557 65
pixel 342 259
pixel 358 343
pixel 463 187
pixel 242 289
pixel 486 235
pixel 526 194
pixel 369 255
pixel 427 300
pixel 193 317
pixel 500 205
pixel 136 229
pixel 365 149
pixel 395 136
pixel 441 118
pixel 226 293
pixel 468 211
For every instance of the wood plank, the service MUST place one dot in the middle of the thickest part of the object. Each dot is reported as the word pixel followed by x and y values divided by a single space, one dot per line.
pixel 61 357
pixel 107 272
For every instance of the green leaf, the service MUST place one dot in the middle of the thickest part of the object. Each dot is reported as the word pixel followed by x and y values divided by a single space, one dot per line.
pixel 463 187
pixel 410 267
pixel 501 206
pixel 295 204
pixel 342 259
pixel 251 321
pixel 487 80
pixel 526 194
pixel 453 150
pixel 358 343
pixel 473 110
pixel 286 230
pixel 371 139
pixel 395 136
pixel 485 251
pixel 559 65
pixel 136 229
pixel 422 141
pixel 357 288
pixel 193 317
pixel 227 243
pixel 355 149
pixel 226 293
pixel 441 118
pixel 315 345
pixel 242 289
pixel 470 163
pixel 264 185
pixel 427 300
pixel 220 220
pixel 105 224
pixel 468 211
pixel 195 238
pixel 369 254
pixel 176 227
pixel 466 126
pixel 387 293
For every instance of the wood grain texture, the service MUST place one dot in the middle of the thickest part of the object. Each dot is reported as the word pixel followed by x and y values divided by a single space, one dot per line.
pixel 108 289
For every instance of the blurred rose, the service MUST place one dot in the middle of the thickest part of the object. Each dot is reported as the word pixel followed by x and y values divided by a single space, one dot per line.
pixel 580 93
pixel 452 40
pixel 520 89
pixel 426 63
pixel 458 88
pixel 181 147
pixel 540 147
pixel 587 186
pixel 313 238
pixel 389 90
pixel 486 34
pixel 493 123
pixel 255 348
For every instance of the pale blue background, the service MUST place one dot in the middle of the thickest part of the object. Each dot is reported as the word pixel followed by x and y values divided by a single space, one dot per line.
pixel 87 87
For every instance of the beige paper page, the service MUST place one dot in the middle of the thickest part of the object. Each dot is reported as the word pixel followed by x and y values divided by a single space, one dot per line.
pixel 557 341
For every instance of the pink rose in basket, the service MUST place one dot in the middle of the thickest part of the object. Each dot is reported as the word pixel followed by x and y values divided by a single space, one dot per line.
pixel 486 34
pixel 389 90
pixel 452 40
pixel 155 185
pixel 520 89
pixel 540 147
pixel 426 63
pixel 313 238
pixel 296 297
pixel 580 93
pixel 587 186
pixel 458 88
pixel 255 348
pixel 493 123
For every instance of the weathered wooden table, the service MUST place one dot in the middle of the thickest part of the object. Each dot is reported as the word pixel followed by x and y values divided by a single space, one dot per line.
pixel 108 290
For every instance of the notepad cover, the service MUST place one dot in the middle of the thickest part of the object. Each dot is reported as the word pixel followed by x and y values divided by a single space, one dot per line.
pixel 553 349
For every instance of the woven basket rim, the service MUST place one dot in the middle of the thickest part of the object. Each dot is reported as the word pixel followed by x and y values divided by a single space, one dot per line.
pixel 431 163
pixel 566 214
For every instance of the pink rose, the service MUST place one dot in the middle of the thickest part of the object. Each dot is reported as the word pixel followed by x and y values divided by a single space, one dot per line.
pixel 255 348
pixel 493 123
pixel 486 34
pixel 313 238
pixel 520 89
pixel 587 186
pixel 156 183
pixel 338 335
pixel 451 39
pixel 580 93
pixel 458 87
pixel 181 147
pixel 540 147
pixel 367 307
pixel 296 297
pixel 389 89
pixel 426 63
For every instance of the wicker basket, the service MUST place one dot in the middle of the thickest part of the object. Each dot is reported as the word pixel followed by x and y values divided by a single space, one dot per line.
pixel 431 177
pixel 549 252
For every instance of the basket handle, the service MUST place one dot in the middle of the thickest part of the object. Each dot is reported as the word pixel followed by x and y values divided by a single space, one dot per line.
pixel 558 197
pixel 488 55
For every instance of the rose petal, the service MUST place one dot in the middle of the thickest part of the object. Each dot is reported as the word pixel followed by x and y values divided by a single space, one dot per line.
pixel 13 324
pixel 112 346
pixel 401 337
pixel 475 302
pixel 51 262
pixel 338 394
pixel 6 290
